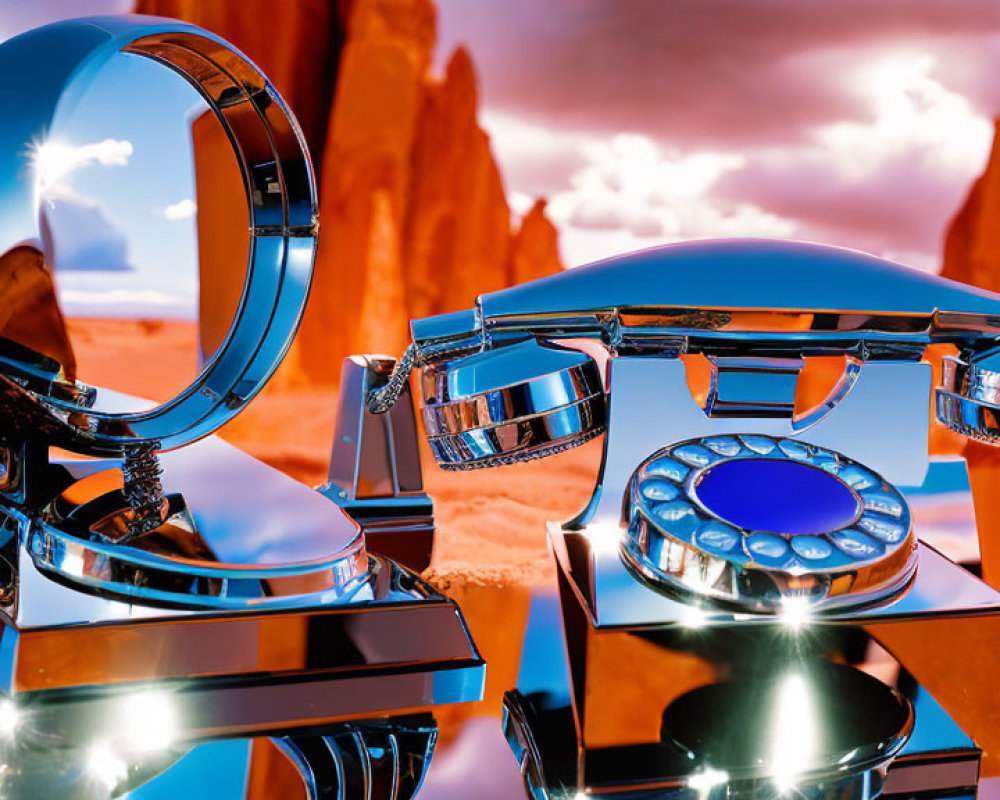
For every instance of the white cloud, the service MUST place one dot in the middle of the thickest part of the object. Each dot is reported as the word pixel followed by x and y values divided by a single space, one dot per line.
pixel 885 181
pixel 124 296
pixel 632 193
pixel 911 112
pixel 182 209
pixel 54 161
pixel 610 194
pixel 84 235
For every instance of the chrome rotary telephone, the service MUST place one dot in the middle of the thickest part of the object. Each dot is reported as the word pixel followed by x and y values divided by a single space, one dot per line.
pixel 725 516
pixel 164 591
pixel 737 502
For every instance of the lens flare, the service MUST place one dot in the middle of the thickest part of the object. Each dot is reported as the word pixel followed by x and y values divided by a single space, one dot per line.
pixel 694 618
pixel 105 766
pixel 10 715
pixel 795 613
pixel 604 537
pixel 149 721
pixel 707 779
pixel 794 734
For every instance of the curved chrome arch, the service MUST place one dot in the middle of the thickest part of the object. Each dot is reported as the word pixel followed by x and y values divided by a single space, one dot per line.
pixel 42 74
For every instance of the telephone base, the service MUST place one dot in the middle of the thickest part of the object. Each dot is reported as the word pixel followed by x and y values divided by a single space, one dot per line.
pixel 613 597
pixel 598 721
pixel 264 614
pixel 238 673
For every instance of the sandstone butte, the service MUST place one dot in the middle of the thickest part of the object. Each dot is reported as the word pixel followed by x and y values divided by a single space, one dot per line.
pixel 950 655
pixel 972 255
pixel 413 214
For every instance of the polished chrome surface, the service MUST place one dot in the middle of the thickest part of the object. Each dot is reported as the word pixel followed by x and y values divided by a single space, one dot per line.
pixel 748 307
pixel 877 415
pixel 42 74
pixel 649 600
pixel 787 297
pixel 36 768
pixel 613 598
pixel 256 603
pixel 374 760
pixel 590 556
pixel 525 401
pixel 979 379
pixel 967 400
pixel 677 541
pixel 729 712
pixel 156 596
pixel 745 305
pixel 382 758
pixel 207 552
pixel 744 274
pixel 829 730
pixel 375 473
pixel 752 387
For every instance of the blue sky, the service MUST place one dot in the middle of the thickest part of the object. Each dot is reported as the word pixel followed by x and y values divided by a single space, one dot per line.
pixel 119 193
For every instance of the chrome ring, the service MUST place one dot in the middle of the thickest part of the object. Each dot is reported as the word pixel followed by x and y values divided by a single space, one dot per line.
pixel 527 399
pixel 42 72
pixel 677 543
pixel 138 574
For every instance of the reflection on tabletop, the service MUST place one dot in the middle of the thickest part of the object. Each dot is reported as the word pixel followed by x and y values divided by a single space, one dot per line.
pixel 518 627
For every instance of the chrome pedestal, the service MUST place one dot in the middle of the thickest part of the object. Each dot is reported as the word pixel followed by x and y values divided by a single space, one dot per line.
pixel 382 760
pixel 230 619
pixel 375 473
pixel 654 608
pixel 729 711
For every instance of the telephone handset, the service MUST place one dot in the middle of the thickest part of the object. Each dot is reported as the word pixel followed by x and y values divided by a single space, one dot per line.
pixel 738 501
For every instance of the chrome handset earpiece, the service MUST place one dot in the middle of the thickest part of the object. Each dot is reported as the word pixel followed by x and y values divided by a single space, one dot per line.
pixel 516 403
pixel 968 400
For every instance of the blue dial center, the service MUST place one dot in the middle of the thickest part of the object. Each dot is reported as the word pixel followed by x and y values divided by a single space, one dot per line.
pixel 780 496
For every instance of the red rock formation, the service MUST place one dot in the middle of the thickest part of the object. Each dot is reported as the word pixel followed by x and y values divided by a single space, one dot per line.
pixel 535 249
pixel 295 42
pixel 365 180
pixel 972 245
pixel 458 225
pixel 29 310
pixel 413 214
pixel 946 657
pixel 972 255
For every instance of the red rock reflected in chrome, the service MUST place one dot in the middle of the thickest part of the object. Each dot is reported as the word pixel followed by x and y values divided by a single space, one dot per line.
pixel 413 211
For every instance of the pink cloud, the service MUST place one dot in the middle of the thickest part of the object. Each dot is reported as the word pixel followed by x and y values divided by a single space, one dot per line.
pixel 858 123
pixel 703 71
